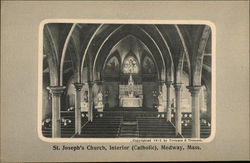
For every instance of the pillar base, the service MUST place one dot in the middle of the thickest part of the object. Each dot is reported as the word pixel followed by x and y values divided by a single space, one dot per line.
pixel 56 92
pixel 195 90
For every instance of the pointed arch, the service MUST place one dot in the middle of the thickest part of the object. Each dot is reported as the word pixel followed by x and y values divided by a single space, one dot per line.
pixel 49 49
pixel 64 52
pixel 198 62
pixel 184 53
pixel 87 48
pixel 146 48
pixel 136 31
pixel 170 64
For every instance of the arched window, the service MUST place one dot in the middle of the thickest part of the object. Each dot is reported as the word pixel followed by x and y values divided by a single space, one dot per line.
pixel 112 66
pixel 130 65
pixel 148 66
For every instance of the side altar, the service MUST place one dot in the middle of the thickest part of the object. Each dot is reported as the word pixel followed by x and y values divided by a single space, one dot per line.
pixel 130 95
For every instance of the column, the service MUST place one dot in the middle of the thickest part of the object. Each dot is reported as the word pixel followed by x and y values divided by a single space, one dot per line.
pixel 177 87
pixel 78 122
pixel 168 84
pixel 90 111
pixel 209 111
pixel 56 92
pixel 195 90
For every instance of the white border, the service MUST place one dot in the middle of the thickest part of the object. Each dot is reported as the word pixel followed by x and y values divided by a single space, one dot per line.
pixel 132 140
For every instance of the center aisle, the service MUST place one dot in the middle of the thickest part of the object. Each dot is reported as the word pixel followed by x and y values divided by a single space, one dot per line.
pixel 129 123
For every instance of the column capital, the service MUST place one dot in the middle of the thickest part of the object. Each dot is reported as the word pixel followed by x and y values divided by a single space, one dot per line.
pixel 194 89
pixel 78 86
pixel 177 85
pixel 169 83
pixel 56 90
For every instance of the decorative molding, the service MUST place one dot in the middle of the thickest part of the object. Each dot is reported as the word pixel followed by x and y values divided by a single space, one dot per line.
pixel 56 90
pixel 177 86
pixel 194 90
pixel 78 86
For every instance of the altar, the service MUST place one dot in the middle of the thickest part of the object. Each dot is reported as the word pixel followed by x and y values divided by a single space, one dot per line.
pixel 130 95
pixel 130 102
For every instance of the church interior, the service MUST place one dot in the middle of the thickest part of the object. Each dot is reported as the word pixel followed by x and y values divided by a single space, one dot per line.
pixel 126 80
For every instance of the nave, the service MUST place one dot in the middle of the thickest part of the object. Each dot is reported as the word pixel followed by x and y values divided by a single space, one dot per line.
pixel 126 80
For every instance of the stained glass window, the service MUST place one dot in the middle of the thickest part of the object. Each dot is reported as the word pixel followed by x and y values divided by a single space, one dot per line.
pixel 130 65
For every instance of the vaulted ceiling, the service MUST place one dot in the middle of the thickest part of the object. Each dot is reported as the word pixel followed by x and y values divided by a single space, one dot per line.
pixel 71 48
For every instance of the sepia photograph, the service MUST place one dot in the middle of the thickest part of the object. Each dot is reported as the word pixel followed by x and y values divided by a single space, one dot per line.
pixel 126 80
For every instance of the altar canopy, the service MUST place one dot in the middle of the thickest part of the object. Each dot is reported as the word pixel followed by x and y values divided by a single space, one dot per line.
pixel 130 95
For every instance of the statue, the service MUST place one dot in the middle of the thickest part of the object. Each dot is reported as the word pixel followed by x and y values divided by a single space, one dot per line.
pixel 131 86
pixel 84 102
pixel 99 98
pixel 99 105
pixel 131 81
pixel 160 99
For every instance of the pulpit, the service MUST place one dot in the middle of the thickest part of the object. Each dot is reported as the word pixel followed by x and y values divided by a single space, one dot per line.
pixel 130 95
